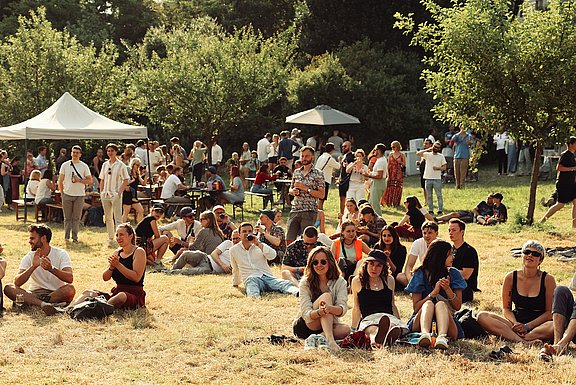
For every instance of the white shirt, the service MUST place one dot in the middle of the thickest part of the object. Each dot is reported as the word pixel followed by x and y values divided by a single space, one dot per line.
pixel 32 188
pixel 74 189
pixel 180 227
pixel 311 141
pixel 155 160
pixel 216 154
pixel 43 279
pixel 140 153
pixel 327 165
pixel 262 149
pixel 419 248
pixel 113 181
pixel 433 160
pixel 224 256
pixel 381 165
pixel 43 191
pixel 170 186
pixel 500 140
pixel 250 263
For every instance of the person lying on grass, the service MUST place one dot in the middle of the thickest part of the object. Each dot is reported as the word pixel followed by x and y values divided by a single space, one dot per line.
pixel 530 290
pixel 323 299
pixel 375 312
pixel 436 289
pixel 126 266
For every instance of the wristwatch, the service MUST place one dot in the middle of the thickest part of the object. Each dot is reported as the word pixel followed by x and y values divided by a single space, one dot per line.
pixel 309 189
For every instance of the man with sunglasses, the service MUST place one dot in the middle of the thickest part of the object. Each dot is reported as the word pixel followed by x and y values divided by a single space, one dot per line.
pixel 187 227
pixel 249 261
pixel 465 258
pixel 296 256
pixel 113 181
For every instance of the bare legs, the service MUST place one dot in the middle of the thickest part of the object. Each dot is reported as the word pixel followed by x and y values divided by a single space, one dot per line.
pixel 440 312
pixel 331 330
pixel 63 294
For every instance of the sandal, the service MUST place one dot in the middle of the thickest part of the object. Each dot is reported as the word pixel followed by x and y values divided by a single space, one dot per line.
pixel 547 353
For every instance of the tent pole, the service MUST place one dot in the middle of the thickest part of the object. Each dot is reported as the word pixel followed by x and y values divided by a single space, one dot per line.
pixel 149 170
pixel 24 168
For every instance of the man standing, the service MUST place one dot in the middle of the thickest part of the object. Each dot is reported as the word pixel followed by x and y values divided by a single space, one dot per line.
pixel 344 182
pixel 326 164
pixel 417 251
pixel 72 181
pixel 338 142
pixel 140 152
pixel 465 258
pixel 186 228
pixel 216 154
pixel 41 162
pixel 154 157
pixel 435 164
pixel 307 186
pixel 286 147
pixel 379 177
pixel 296 257
pixel 249 260
pixel 272 234
pixel 565 182
pixel 113 181
pixel 49 271
pixel 262 148
pixel 461 156
pixel 2 273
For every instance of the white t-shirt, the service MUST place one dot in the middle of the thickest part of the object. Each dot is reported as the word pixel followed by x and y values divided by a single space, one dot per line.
pixel 74 189
pixel 43 279
pixel 224 247
pixel 327 165
pixel 43 191
pixel 262 149
pixel 500 140
pixel 170 186
pixel 32 188
pixel 433 160
pixel 381 165
pixel 155 160
pixel 419 248
pixel 140 153
pixel 216 154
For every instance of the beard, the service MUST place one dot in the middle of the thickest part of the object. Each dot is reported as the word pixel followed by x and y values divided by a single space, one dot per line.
pixel 305 162
pixel 36 246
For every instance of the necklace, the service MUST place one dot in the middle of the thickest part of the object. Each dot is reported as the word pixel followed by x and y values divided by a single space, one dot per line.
pixel 375 286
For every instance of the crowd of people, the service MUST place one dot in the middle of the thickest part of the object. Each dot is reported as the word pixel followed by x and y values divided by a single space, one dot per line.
pixel 364 256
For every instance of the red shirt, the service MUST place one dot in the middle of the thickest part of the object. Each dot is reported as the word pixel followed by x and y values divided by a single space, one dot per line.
pixel 262 177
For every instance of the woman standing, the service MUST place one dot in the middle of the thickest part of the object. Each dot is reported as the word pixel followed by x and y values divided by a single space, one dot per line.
pixel 436 289
pixel 245 156
pixel 323 300
pixel 5 171
pixel 396 165
pixel 395 252
pixel 375 312
pixel 148 237
pixel 357 171
pixel 196 158
pixel 130 194
pixel 273 152
pixel 177 156
pixel 531 291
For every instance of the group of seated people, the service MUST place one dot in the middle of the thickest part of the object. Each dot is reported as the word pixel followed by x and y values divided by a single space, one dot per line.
pixel 439 275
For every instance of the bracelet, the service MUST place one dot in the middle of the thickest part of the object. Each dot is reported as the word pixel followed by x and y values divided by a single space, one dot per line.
pixel 527 327
pixel 353 329
pixel 453 297
pixel 430 296
pixel 51 270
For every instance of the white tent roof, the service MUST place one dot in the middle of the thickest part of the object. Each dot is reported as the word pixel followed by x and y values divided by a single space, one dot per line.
pixel 322 115
pixel 67 118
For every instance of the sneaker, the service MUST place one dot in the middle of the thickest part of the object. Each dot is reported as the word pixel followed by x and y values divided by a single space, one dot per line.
pixel 322 342
pixel 441 342
pixel 311 342
pixel 424 341
pixel 440 212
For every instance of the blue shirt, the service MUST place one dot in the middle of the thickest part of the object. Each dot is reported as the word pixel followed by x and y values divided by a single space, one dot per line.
pixel 419 283
pixel 462 148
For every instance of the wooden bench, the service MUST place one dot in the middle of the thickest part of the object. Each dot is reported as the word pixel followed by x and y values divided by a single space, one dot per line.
pixel 19 204
pixel 270 197
pixel 145 202
pixel 240 206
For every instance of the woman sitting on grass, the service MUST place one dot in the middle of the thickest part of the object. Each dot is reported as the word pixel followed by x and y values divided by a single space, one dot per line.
pixel 395 252
pixel 148 236
pixel 375 312
pixel 207 239
pixel 436 289
pixel 323 300
pixel 410 227
pixel 348 250
pixel 530 290
pixel 126 266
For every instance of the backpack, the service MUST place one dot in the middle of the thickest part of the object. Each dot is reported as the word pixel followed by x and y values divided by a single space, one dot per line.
pixel 91 308
pixel 470 325
pixel 356 340
pixel 95 217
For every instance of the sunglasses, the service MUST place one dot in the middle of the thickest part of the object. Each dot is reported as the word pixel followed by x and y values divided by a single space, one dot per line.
pixel 109 171
pixel 321 261
pixel 533 252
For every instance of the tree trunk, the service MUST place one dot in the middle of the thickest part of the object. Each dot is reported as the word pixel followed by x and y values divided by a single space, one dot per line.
pixel 534 183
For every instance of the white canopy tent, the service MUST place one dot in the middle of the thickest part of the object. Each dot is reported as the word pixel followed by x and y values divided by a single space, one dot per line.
pixel 67 118
pixel 322 115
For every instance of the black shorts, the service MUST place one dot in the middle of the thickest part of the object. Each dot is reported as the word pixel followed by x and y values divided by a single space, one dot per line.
pixel 566 194
pixel 343 188
pixel 301 330
pixel 326 187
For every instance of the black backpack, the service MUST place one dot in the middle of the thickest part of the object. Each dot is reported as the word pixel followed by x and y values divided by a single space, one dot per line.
pixel 91 308
pixel 95 217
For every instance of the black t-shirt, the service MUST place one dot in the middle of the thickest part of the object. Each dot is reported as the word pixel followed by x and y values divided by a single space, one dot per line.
pixel 467 257
pixel 283 169
pixel 484 208
pixel 567 178
pixel 348 158
pixel 144 228
pixel 416 217
pixel 501 212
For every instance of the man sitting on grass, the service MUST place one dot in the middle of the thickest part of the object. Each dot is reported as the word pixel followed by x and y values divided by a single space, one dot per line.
pixel 371 224
pixel 499 212
pixel 417 251
pixel 296 257
pixel 249 260
pixel 482 209
pixel 49 270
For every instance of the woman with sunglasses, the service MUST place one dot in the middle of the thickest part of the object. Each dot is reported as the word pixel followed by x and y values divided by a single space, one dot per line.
pixel 375 312
pixel 436 289
pixel 323 300
pixel 348 250
pixel 357 171
pixel 395 252
pixel 531 291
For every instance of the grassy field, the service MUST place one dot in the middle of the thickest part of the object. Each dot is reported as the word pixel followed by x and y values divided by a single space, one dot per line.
pixel 202 330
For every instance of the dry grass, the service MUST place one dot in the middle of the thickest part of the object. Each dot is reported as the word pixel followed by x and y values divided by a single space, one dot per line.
pixel 202 330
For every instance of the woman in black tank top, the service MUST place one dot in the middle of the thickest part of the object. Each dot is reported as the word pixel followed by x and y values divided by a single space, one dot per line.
pixel 375 312
pixel 526 301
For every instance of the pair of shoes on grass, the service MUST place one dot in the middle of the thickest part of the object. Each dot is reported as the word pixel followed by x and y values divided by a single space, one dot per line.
pixel 316 341
pixel 425 341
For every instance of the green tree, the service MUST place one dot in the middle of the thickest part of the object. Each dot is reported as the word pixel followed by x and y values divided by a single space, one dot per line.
pixel 200 80
pixel 490 69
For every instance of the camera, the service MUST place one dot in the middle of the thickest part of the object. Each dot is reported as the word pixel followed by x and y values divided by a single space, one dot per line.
pixel 250 237
pixel 222 216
